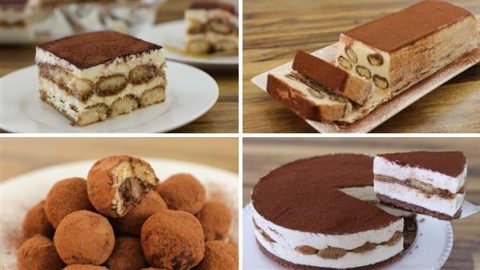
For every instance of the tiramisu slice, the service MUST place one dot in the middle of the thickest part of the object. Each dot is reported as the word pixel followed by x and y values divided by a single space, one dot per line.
pixel 13 27
pixel 211 27
pixel 311 214
pixel 317 90
pixel 94 76
pixel 403 48
pixel 430 183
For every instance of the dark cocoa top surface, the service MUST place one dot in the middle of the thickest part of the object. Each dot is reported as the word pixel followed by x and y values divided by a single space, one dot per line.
pixel 94 48
pixel 400 29
pixel 304 196
pixel 13 2
pixel 449 163
pixel 320 71
pixel 213 5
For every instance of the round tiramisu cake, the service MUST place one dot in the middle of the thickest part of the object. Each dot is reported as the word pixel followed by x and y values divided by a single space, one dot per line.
pixel 321 213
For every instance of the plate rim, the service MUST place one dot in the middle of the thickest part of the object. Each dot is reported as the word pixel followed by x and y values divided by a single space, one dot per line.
pixel 150 129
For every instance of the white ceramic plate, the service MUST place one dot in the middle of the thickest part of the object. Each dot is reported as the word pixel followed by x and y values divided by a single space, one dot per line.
pixel 388 109
pixel 190 93
pixel 172 35
pixel 430 250
pixel 23 192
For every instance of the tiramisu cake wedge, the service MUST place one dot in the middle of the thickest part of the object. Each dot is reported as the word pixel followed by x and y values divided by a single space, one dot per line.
pixel 94 76
pixel 398 50
pixel 430 183
pixel 317 90
pixel 211 27
pixel 313 214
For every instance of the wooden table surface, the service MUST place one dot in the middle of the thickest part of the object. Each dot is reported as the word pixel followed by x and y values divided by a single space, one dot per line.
pixel 262 155
pixel 275 30
pixel 222 118
pixel 21 155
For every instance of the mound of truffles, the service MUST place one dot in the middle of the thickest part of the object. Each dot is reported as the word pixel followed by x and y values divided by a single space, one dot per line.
pixel 121 218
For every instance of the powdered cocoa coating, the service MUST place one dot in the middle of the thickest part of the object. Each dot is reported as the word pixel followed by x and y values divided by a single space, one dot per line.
pixel 304 195
pixel 36 222
pixel 66 196
pixel 450 163
pixel 131 224
pixel 84 237
pixel 94 48
pixel 215 218
pixel 172 240
pixel 219 255
pixel 127 255
pixel 183 192
pixel 38 253
pixel 84 267
pixel 100 180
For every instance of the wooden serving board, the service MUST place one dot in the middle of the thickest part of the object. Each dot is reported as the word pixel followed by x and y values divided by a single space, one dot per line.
pixel 390 108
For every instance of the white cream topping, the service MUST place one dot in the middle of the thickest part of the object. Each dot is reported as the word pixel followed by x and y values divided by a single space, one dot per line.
pixel 413 196
pixel 349 260
pixel 60 95
pixel 119 65
pixel 11 15
pixel 204 15
pixel 388 168
pixel 291 239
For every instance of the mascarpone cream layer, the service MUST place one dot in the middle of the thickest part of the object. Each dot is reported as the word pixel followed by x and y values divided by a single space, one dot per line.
pixel 11 14
pixel 349 260
pixel 120 65
pixel 290 239
pixel 415 197
pixel 385 167
pixel 63 99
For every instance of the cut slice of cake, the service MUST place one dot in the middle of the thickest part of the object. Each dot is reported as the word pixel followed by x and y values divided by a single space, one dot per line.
pixel 399 50
pixel 430 183
pixel 211 27
pixel 94 76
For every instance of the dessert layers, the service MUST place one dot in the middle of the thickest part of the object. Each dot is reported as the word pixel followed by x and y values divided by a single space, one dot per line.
pixel 91 77
pixel 318 212
pixel 211 27
pixel 403 48
pixel 13 28
pixel 382 58
pixel 424 182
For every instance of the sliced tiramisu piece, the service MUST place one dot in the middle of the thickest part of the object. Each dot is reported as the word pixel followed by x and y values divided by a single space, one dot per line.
pixel 430 183
pixel 13 27
pixel 314 214
pixel 398 50
pixel 319 91
pixel 211 27
pixel 94 76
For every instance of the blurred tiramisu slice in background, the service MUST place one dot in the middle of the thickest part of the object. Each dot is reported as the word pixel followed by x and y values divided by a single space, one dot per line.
pixel 13 28
pixel 211 27
pixel 94 76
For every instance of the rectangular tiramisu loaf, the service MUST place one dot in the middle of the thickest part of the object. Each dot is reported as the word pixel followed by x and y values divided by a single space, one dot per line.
pixel 94 76
pixel 317 90
pixel 430 183
pixel 398 50
pixel 211 27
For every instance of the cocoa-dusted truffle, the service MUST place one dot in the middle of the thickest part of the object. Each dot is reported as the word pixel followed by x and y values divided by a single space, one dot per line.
pixel 219 255
pixel 131 224
pixel 183 192
pixel 116 184
pixel 84 237
pixel 127 255
pixel 36 222
pixel 66 196
pixel 172 240
pixel 84 267
pixel 215 218
pixel 38 253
